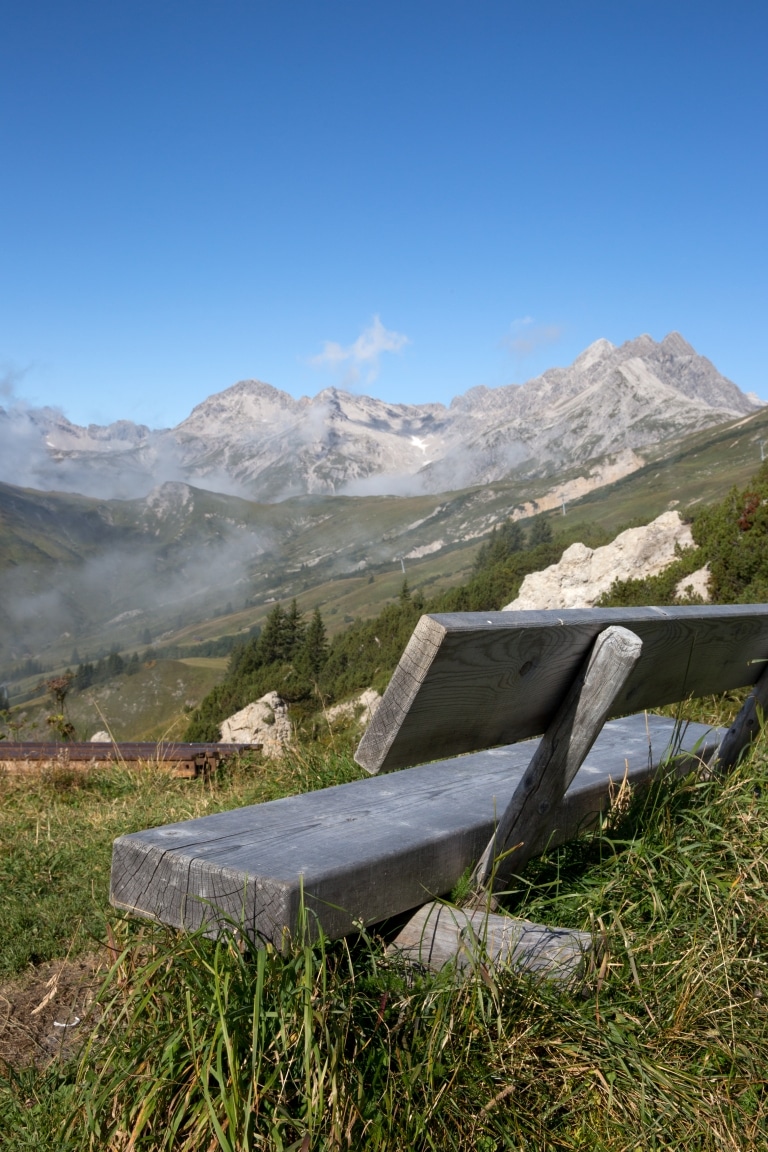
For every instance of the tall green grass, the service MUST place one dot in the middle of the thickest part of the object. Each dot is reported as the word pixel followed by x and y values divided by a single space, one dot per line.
pixel 200 1044
pixel 57 829
pixel 206 1045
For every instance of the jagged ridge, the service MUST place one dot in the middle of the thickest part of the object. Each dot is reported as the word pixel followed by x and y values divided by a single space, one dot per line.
pixel 257 440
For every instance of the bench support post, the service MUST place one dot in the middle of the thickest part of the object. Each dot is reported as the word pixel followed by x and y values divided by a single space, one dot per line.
pixel 556 953
pixel 562 751
pixel 744 729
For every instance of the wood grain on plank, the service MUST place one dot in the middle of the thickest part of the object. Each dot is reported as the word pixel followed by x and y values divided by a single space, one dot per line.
pixel 367 850
pixel 415 663
pixel 440 934
pixel 561 752
pixel 476 680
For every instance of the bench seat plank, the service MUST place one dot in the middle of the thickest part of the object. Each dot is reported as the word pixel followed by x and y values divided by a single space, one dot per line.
pixel 367 850
pixel 472 680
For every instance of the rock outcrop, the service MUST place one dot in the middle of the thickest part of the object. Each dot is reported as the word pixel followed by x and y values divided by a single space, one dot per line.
pixel 265 722
pixel 361 708
pixel 583 574
pixel 697 584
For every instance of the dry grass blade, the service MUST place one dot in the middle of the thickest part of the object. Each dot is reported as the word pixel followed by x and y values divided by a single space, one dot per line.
pixel 210 1045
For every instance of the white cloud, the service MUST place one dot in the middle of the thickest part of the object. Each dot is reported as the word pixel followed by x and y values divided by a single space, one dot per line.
pixel 526 336
pixel 9 378
pixel 366 351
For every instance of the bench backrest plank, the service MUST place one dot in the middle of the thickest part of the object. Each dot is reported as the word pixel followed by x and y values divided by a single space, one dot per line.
pixel 470 680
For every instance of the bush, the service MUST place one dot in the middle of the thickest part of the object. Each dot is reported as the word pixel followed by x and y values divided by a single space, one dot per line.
pixel 731 537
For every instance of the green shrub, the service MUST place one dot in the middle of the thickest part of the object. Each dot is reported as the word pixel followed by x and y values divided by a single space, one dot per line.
pixel 731 537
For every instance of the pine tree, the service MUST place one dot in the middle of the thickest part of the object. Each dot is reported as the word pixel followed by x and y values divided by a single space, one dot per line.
pixel 540 533
pixel 83 677
pixel 315 651
pixel 511 538
pixel 501 544
pixel 271 645
pixel 294 632
pixel 483 552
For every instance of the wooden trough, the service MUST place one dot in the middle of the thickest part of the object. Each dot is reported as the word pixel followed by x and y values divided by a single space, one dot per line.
pixel 21 758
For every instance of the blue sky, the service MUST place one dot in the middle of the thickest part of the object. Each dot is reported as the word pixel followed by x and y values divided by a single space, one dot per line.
pixel 407 199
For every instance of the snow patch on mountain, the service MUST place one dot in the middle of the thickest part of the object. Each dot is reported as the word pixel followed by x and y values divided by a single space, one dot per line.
pixel 254 440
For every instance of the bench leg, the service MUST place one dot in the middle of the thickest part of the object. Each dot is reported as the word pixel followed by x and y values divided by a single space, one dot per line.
pixel 439 934
pixel 744 729
pixel 560 754
pixel 475 934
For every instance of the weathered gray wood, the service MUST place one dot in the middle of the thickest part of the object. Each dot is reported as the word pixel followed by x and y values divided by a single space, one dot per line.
pixel 156 750
pixel 19 758
pixel 474 680
pixel 745 727
pixel 367 850
pixel 440 934
pixel 560 753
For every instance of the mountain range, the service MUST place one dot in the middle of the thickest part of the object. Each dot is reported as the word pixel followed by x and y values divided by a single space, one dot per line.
pixel 112 533
pixel 258 442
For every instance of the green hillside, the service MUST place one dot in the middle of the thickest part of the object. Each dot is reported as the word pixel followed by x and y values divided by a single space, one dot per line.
pixel 152 704
pixel 82 577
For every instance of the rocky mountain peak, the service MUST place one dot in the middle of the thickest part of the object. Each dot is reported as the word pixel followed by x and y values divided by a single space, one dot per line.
pixel 237 409
pixel 260 441
pixel 675 345
pixel 597 351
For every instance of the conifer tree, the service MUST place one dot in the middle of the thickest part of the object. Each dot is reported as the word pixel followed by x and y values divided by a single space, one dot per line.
pixel 502 543
pixel 540 533
pixel 315 651
pixel 271 645
pixel 511 538
pixel 294 632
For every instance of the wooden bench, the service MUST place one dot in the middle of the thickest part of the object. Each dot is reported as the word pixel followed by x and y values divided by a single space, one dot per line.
pixel 469 693
pixel 31 757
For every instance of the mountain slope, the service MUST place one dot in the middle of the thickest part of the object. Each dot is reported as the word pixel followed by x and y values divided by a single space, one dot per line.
pixel 608 400
pixel 98 573
pixel 255 440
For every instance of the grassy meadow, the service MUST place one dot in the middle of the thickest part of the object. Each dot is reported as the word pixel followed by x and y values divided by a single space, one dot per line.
pixel 151 705
pixel 185 1043
pixel 122 1035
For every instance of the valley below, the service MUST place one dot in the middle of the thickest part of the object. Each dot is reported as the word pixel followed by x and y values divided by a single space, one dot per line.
pixel 182 572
